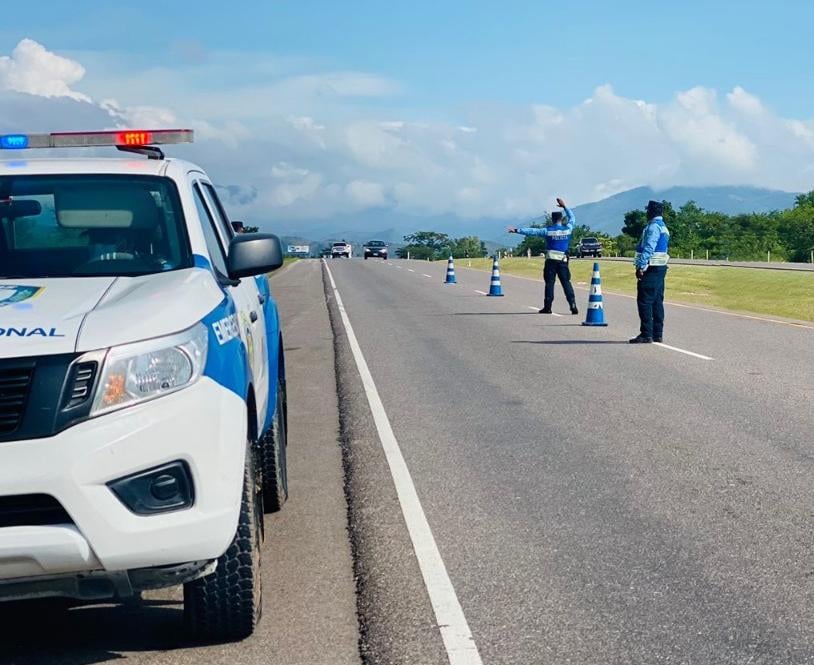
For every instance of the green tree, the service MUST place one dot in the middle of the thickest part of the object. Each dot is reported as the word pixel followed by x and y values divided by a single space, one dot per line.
pixel 468 247
pixel 432 239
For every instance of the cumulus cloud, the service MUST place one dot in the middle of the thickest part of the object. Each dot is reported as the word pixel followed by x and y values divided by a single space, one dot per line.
pixel 308 147
pixel 31 68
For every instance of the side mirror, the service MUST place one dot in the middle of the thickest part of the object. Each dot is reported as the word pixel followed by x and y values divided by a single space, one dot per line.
pixel 254 254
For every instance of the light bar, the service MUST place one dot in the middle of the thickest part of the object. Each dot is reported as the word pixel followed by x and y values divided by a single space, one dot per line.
pixel 129 137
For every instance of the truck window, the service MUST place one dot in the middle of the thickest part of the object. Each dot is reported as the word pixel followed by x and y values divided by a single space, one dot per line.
pixel 217 253
pixel 90 225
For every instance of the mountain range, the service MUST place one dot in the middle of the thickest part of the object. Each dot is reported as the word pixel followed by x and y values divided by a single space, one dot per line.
pixel 606 215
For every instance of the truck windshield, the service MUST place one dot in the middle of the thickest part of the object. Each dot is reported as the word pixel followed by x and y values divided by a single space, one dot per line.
pixel 589 240
pixel 90 225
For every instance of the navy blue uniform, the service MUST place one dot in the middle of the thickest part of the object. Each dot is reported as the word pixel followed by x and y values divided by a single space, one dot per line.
pixel 558 240
pixel 652 259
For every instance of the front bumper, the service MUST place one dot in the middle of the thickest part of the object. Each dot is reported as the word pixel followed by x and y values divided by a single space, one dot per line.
pixel 203 425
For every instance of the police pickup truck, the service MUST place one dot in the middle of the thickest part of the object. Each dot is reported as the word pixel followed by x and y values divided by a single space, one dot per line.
pixel 142 382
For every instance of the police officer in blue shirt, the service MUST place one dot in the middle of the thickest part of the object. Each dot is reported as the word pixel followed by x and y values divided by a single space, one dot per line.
pixel 651 269
pixel 557 242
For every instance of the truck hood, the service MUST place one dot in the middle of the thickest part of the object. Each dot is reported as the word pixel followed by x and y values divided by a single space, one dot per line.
pixel 77 314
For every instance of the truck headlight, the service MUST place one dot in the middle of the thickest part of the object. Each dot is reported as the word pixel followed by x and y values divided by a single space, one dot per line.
pixel 138 372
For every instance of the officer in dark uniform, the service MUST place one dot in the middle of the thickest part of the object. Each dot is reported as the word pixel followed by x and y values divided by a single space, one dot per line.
pixel 651 269
pixel 558 240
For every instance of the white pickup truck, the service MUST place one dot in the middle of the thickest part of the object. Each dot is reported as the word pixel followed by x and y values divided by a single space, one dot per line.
pixel 142 382
pixel 341 249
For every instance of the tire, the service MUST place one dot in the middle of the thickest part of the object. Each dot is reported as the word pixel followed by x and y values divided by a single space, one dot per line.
pixel 226 605
pixel 366 257
pixel 273 461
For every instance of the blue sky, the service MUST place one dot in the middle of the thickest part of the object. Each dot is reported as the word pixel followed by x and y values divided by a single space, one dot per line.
pixel 460 52
pixel 315 110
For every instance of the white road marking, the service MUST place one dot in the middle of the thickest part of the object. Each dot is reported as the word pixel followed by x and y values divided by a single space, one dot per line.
pixel 460 646
pixel 410 269
pixel 684 351
pixel 483 293
pixel 537 309
pixel 426 275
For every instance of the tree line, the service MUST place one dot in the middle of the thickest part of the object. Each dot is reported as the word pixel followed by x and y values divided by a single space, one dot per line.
pixel 788 235
pixel 432 245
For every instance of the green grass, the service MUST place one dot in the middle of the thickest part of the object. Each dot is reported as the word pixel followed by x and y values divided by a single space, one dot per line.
pixel 783 293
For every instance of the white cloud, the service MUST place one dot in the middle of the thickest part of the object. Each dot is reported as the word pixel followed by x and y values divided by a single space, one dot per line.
pixel 31 68
pixel 306 147
pixel 366 194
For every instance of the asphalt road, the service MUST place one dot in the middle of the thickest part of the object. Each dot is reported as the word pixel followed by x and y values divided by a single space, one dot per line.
pixel 593 501
pixel 309 615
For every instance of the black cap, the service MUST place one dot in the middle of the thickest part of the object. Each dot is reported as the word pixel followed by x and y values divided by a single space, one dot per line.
pixel 556 216
pixel 654 209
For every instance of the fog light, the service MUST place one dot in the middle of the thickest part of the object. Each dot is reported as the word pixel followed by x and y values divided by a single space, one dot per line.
pixel 158 490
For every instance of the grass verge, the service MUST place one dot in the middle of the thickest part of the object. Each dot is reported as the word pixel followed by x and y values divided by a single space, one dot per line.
pixel 782 293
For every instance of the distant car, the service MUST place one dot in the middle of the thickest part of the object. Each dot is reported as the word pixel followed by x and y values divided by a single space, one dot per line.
pixel 588 247
pixel 341 249
pixel 376 248
pixel 325 253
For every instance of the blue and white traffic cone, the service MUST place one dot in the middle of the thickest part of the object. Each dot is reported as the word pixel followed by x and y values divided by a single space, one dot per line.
pixel 450 272
pixel 494 286
pixel 596 312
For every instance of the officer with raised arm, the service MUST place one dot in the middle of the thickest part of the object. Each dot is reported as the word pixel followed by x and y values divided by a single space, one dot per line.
pixel 651 269
pixel 558 240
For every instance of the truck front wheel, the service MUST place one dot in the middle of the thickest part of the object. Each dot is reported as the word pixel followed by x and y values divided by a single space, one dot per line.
pixel 226 605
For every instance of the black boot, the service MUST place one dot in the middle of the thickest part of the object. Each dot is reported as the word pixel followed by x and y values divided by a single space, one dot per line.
pixel 574 309
pixel 546 309
pixel 641 339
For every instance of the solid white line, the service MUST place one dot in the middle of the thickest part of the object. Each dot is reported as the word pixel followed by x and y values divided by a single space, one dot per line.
pixel 555 314
pixel 483 293
pixel 460 646
pixel 536 309
pixel 675 348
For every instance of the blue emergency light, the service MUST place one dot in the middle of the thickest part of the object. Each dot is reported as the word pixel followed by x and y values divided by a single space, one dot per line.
pixel 13 142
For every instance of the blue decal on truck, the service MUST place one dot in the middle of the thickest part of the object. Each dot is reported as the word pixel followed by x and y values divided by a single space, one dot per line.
pixel 226 361
pixel 11 294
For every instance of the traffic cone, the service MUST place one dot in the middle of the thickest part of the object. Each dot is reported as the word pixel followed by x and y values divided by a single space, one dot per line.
pixel 494 286
pixel 450 272
pixel 596 312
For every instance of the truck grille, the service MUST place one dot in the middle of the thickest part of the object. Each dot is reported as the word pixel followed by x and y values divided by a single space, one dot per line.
pixel 15 384
pixel 81 385
pixel 32 510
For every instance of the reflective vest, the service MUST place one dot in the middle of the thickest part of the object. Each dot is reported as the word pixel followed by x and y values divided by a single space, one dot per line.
pixel 557 242
pixel 659 257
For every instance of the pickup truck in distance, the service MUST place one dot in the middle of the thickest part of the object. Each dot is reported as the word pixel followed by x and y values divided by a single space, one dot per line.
pixel 341 249
pixel 588 247
pixel 376 248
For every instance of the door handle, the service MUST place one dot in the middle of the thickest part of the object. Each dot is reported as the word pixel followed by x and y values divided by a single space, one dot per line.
pixel 261 298
pixel 253 316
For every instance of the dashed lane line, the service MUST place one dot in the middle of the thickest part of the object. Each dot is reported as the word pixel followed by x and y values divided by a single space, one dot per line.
pixel 684 351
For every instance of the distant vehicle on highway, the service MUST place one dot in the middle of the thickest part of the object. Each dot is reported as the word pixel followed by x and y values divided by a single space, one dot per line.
pixel 376 248
pixel 588 247
pixel 341 249
pixel 142 383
